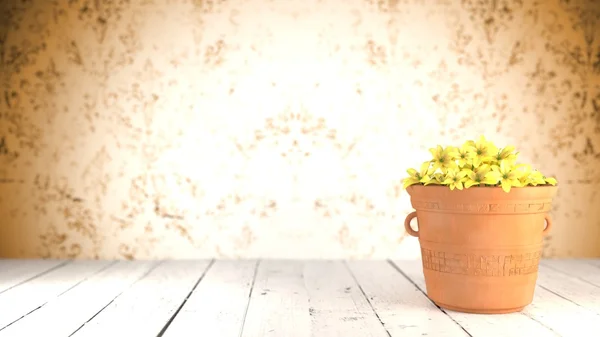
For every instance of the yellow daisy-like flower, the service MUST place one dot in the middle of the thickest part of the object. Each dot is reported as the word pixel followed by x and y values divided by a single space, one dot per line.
pixel 507 176
pixel 474 164
pixel 455 179
pixel 443 158
pixel 535 178
pixel 531 177
pixel 506 154
pixel 464 155
pixel 417 177
pixel 484 151
pixel 550 180
pixel 482 175
pixel 436 179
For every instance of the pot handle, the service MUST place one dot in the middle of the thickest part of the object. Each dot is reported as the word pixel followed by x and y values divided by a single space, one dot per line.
pixel 548 224
pixel 409 229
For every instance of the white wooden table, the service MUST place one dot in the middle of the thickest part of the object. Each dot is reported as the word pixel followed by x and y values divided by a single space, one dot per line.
pixel 273 298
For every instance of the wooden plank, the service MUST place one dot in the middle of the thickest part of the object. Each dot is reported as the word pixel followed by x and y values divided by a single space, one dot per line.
pixel 23 299
pixel 218 304
pixel 340 308
pixel 148 305
pixel 514 324
pixel 564 317
pixel 571 288
pixel 14 272
pixel 594 262
pixel 279 304
pixel 68 312
pixel 293 298
pixel 403 309
pixel 581 269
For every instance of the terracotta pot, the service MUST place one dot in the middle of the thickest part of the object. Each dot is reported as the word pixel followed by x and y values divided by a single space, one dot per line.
pixel 480 246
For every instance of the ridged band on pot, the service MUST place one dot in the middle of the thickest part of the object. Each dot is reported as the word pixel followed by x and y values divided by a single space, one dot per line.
pixel 480 246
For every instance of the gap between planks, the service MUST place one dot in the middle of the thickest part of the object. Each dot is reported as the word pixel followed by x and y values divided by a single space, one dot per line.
pixel 69 310
pixel 149 304
pixel 275 298
pixel 17 272
pixel 218 305
pixel 573 280
pixel 29 297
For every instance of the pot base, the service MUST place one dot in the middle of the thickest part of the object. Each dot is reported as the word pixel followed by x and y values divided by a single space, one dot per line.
pixel 479 311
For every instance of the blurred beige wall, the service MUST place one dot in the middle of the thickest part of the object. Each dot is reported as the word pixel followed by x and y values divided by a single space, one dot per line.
pixel 256 128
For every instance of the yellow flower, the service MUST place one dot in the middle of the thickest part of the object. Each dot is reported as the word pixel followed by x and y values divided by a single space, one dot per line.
pixel 531 177
pixel 455 179
pixel 464 155
pixel 536 178
pixel 507 176
pixel 443 157
pixel 484 151
pixel 476 163
pixel 550 180
pixel 416 177
pixel 436 179
pixel 507 153
pixel 481 175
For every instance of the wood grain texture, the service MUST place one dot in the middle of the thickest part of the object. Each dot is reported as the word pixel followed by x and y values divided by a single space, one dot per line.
pixel 217 307
pixel 147 306
pixel 402 308
pixel 570 288
pixel 36 293
pixel 248 298
pixel 297 299
pixel 339 307
pixel 584 270
pixel 561 315
pixel 14 272
pixel 279 304
pixel 72 309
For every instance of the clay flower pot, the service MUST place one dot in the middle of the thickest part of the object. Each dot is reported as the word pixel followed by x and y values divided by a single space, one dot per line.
pixel 480 246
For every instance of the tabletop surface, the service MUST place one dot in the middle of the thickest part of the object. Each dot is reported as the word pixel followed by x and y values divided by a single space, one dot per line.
pixel 279 298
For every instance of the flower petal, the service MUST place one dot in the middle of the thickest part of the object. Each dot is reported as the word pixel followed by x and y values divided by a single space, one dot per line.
pixel 409 181
pixel 425 168
pixel 505 185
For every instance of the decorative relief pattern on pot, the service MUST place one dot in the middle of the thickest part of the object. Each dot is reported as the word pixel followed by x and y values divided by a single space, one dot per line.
pixel 484 207
pixel 481 265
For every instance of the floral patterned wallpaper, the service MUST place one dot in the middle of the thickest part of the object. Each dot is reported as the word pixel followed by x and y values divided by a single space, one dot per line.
pixel 279 128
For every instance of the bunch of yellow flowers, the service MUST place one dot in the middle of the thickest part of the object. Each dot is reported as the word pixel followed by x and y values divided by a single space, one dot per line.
pixel 476 163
